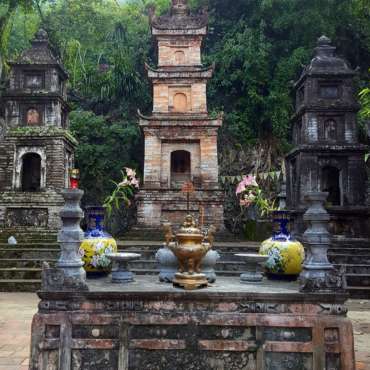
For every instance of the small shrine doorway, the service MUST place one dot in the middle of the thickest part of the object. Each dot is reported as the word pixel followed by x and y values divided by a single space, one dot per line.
pixel 330 182
pixel 180 168
pixel 31 172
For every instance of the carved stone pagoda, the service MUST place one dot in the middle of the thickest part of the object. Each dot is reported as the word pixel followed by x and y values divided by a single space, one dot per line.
pixel 327 156
pixel 180 136
pixel 36 150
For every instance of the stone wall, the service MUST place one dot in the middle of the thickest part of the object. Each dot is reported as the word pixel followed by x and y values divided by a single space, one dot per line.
pixel 167 49
pixel 163 96
pixel 157 206
pixel 50 112
pixel 33 210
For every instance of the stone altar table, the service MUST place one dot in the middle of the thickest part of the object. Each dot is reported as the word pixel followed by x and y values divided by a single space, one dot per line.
pixel 151 325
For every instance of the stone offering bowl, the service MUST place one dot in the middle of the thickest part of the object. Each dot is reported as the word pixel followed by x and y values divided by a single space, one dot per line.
pixel 253 264
pixel 122 274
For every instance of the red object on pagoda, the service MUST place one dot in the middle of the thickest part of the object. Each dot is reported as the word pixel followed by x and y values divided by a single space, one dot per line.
pixel 74 176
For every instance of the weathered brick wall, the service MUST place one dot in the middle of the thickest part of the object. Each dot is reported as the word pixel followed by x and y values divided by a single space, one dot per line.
pixel 37 205
pixel 152 160
pixel 209 161
pixel 163 96
pixel 167 48
pixel 157 206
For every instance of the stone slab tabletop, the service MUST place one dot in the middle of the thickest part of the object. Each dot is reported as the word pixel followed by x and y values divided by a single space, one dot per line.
pixel 147 286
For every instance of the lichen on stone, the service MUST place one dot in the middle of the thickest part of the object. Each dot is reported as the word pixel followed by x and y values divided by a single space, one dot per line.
pixel 42 131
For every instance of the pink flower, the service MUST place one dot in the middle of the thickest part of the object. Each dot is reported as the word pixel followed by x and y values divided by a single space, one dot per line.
pixel 130 172
pixel 247 181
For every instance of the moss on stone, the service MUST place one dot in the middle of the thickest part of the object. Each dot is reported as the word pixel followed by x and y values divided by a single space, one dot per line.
pixel 42 131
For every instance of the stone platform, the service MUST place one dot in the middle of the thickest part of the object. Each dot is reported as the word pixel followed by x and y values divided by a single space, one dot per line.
pixel 149 325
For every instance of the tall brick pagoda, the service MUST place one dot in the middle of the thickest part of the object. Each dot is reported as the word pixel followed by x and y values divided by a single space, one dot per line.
pixel 180 136
pixel 36 149
pixel 327 155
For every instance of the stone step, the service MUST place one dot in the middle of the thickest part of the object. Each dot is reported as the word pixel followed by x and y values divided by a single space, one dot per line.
pixel 152 264
pixel 30 245
pixel 139 271
pixel 29 237
pixel 355 268
pixel 28 253
pixel 20 285
pixel 349 251
pixel 348 259
pixel 142 245
pixel 25 263
pixel 19 273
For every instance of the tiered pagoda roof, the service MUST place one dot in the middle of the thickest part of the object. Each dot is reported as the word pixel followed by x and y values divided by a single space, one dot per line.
pixel 40 54
pixel 326 62
pixel 180 20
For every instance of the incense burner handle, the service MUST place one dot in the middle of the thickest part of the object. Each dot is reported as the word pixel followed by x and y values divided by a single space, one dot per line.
pixel 168 234
pixel 210 237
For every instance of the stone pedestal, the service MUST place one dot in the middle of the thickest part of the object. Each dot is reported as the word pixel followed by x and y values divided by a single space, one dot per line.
pixel 154 326
pixel 318 274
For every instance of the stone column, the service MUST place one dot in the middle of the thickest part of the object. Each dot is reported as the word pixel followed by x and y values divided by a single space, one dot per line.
pixel 318 273
pixel 69 274
pixel 70 236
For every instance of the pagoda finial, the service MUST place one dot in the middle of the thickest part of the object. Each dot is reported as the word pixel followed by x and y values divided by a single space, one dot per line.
pixel 179 7
pixel 324 47
pixel 323 41
pixel 41 35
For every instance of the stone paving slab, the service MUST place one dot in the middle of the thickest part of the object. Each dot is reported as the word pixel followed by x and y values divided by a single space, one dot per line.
pixel 17 310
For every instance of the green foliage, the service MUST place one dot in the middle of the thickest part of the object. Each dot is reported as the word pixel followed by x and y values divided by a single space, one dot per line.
pixel 8 12
pixel 365 103
pixel 104 149
pixel 123 192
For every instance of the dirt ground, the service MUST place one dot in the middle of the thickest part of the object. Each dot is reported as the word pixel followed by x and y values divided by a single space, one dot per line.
pixel 17 309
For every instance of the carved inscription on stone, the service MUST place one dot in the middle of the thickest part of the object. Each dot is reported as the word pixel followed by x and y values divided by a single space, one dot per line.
pixel 32 217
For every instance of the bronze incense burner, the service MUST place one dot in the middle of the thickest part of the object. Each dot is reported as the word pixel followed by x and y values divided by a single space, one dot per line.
pixel 189 246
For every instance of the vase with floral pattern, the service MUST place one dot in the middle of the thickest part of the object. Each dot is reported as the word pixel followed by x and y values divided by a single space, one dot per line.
pixel 285 254
pixel 97 245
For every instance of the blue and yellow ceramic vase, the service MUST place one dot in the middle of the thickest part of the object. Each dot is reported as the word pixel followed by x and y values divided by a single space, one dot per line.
pixel 97 245
pixel 286 255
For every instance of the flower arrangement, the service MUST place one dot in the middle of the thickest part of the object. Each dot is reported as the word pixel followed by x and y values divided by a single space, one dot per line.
pixel 250 193
pixel 124 190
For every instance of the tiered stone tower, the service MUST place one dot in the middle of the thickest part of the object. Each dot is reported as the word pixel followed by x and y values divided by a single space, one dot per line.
pixel 36 150
pixel 327 155
pixel 180 136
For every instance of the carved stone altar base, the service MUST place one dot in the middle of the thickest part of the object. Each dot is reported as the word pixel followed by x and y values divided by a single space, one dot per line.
pixel 147 325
